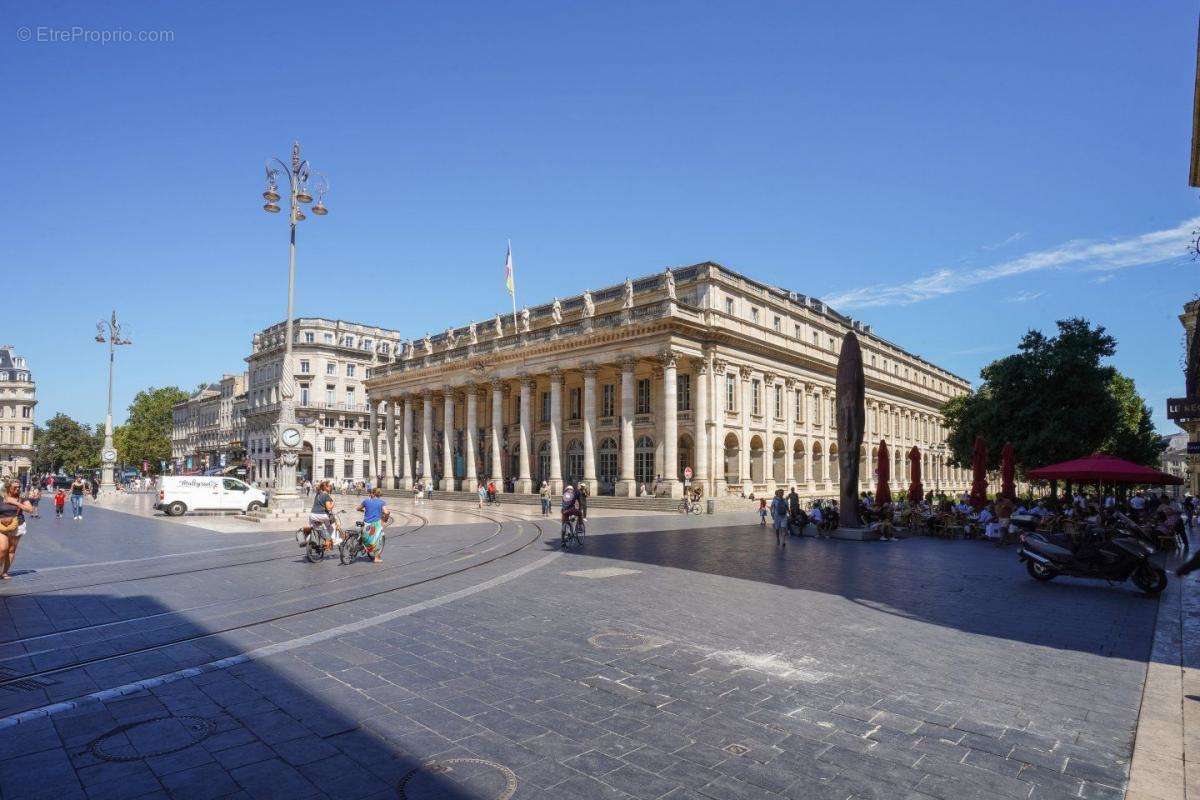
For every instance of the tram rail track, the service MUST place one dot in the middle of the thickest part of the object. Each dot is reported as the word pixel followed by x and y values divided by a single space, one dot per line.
pixel 22 682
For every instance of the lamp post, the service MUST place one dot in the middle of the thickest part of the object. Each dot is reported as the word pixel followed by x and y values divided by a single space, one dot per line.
pixel 287 436
pixel 109 332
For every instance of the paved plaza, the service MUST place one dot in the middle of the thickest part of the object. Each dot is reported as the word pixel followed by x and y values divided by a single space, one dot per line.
pixel 671 657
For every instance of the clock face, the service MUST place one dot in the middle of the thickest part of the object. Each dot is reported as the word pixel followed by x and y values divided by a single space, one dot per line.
pixel 291 437
pixel 109 455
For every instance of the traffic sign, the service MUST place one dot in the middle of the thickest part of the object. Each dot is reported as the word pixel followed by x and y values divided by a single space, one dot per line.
pixel 687 473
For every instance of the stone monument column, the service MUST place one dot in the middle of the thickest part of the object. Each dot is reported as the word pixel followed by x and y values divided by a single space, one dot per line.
pixel 589 427
pixel 700 413
pixel 719 378
pixel 470 477
pixel 626 485
pixel 744 451
pixel 670 429
pixel 389 433
pixel 448 439
pixel 556 476
pixel 524 481
pixel 498 434
pixel 427 439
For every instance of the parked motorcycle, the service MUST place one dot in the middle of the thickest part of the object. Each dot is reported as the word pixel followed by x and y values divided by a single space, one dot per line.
pixel 1118 559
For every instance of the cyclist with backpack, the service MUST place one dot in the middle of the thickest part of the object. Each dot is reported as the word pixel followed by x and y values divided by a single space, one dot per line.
pixel 571 513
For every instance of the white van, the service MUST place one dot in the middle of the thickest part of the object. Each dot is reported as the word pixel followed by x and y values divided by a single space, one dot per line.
pixel 179 494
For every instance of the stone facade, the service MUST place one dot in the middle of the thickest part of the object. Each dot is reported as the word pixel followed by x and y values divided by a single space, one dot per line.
pixel 18 397
pixel 1175 461
pixel 698 368
pixel 330 359
pixel 205 430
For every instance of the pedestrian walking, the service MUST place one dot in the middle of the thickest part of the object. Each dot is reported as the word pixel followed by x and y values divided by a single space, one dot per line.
pixel 762 512
pixel 581 492
pixel 60 501
pixel 779 513
pixel 545 495
pixel 35 497
pixel 94 486
pixel 78 487
pixel 481 493
pixel 13 509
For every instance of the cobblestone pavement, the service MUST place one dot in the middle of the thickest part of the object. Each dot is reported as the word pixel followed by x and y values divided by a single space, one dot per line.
pixel 691 662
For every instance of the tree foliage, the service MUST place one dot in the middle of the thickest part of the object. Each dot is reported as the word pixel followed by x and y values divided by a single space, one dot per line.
pixel 1055 400
pixel 65 445
pixel 146 434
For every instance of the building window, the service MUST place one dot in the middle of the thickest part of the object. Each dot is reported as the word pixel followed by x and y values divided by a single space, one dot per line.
pixel 350 398
pixel 330 444
pixel 575 405
pixel 304 394
pixel 778 323
pixel 349 370
pixel 329 468
pixel 754 315
pixel 816 406
pixel 643 461
pixel 366 344
pixel 816 339
pixel 683 392
pixel 606 468
pixel 328 339
pixel 331 368
pixel 799 405
pixel 329 394
pixel 348 341
pixel 308 336
pixel 778 402
pixel 545 406
pixel 756 396
pixel 348 468
pixel 25 412
pixel 517 409
pixel 643 396
pixel 608 395
pixel 730 393
pixel 366 468
pixel 305 367
pixel 799 331
pixel 729 306
pixel 347 446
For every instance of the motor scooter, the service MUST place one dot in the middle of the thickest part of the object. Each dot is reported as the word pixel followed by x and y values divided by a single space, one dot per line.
pixel 1117 559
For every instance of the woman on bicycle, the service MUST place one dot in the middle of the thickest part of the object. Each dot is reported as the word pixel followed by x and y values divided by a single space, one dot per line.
pixel 570 511
pixel 375 513
pixel 321 516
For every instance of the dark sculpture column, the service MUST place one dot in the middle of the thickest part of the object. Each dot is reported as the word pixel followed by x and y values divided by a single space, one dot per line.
pixel 851 411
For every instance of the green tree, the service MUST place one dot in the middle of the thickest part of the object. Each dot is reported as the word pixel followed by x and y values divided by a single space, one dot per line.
pixel 1055 400
pixel 66 445
pixel 146 434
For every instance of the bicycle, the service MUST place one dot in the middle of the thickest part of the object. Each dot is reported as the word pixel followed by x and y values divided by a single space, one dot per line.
pixel 687 506
pixel 573 530
pixel 312 538
pixel 352 546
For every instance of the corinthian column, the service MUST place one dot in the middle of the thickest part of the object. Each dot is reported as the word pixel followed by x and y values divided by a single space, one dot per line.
pixel 720 487
pixel 524 481
pixel 556 483
pixel 373 421
pixel 671 426
pixel 744 451
pixel 700 412
pixel 470 478
pixel 589 427
pixel 497 434
pixel 626 485
pixel 768 396
pixel 448 439
pixel 389 433
pixel 427 439
pixel 406 443
pixel 789 442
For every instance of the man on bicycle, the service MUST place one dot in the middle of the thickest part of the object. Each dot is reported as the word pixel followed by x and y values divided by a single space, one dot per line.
pixel 375 514
pixel 570 511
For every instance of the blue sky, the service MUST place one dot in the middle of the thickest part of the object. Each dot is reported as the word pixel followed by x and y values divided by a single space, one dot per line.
pixel 979 168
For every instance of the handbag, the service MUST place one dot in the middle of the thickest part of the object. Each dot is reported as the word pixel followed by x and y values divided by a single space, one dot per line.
pixel 9 524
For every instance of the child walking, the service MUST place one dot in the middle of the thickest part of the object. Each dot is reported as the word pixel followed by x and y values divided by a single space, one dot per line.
pixel 60 500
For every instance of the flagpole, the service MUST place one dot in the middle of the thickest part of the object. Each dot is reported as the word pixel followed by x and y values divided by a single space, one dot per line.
pixel 513 293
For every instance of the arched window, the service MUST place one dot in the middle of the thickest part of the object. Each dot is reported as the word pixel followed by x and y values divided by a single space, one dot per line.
pixel 818 463
pixel 756 460
pixel 606 467
pixel 574 462
pixel 835 472
pixel 643 461
pixel 778 467
pixel 686 455
pixel 798 461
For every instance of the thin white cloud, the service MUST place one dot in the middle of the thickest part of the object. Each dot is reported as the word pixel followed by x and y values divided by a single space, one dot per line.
pixel 1083 255
pixel 1013 239
pixel 1105 278
pixel 1025 297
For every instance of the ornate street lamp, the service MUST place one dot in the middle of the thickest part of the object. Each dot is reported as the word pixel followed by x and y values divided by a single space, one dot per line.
pixel 287 436
pixel 109 332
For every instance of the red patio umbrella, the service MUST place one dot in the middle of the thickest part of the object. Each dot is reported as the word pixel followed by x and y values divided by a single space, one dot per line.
pixel 979 474
pixel 1008 471
pixel 883 471
pixel 1103 468
pixel 915 490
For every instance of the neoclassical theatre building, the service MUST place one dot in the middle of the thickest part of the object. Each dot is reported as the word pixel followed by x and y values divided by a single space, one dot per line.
pixel 698 368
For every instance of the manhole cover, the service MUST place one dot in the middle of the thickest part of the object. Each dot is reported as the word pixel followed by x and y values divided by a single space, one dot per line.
pixel 151 737
pixel 458 777
pixel 624 640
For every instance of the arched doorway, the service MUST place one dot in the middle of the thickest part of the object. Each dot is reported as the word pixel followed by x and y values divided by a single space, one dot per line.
pixel 798 461
pixel 574 462
pixel 756 460
pixel 835 471
pixel 778 467
pixel 643 461
pixel 818 463
pixel 687 456
pixel 733 460
pixel 606 465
